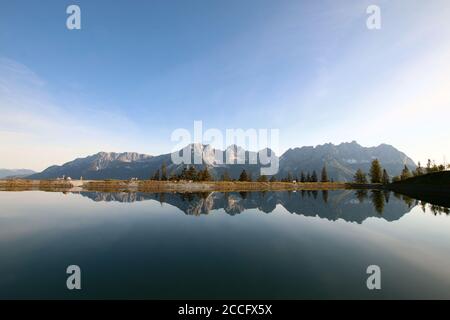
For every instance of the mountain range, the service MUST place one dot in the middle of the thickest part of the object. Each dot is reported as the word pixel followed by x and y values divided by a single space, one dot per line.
pixel 347 205
pixel 15 173
pixel 340 160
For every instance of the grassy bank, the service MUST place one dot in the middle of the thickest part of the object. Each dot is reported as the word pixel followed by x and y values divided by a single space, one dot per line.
pixel 433 188
pixel 185 186
pixel 23 185
pixel 439 179
pixel 167 186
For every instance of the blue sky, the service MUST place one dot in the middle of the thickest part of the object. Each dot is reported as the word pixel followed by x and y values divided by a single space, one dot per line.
pixel 136 71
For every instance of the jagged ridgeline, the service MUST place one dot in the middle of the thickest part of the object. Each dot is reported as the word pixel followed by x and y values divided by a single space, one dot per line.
pixel 348 205
pixel 341 163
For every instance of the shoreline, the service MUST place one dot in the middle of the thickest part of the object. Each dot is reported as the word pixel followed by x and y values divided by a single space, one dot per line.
pixel 172 186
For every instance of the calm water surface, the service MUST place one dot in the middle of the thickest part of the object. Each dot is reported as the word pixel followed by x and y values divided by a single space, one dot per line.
pixel 291 245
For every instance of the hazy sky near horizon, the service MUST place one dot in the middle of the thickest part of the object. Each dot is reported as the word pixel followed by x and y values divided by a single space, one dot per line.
pixel 136 71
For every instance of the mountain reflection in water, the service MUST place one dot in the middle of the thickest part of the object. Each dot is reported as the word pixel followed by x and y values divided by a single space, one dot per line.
pixel 256 245
pixel 349 205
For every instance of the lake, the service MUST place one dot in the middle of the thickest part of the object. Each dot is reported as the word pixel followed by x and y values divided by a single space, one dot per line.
pixel 261 245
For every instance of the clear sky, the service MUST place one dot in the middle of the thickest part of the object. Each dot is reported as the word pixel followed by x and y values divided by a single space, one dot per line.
pixel 137 70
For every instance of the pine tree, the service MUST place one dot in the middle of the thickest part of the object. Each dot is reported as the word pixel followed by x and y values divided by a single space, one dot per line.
pixel 428 169
pixel 324 176
pixel 205 175
pixel 183 174
pixel 156 175
pixel 262 178
pixel 191 173
pixel 243 176
pixel 325 196
pixel 308 177
pixel 314 176
pixel 302 177
pixel 405 173
pixel 377 198
pixel 376 173
pixel 419 170
pixel 173 176
pixel 163 172
pixel 435 167
pixel 361 195
pixel 226 176
pixel 289 177
pixel 385 179
pixel 273 179
pixel 360 177
pixel 200 175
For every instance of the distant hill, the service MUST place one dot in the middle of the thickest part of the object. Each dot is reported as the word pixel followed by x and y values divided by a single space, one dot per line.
pixel 102 165
pixel 341 161
pixel 15 173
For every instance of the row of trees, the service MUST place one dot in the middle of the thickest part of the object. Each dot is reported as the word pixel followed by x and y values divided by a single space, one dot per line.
pixel 429 168
pixel 309 177
pixel 188 173
pixel 376 174
pixel 191 173
pixel 379 175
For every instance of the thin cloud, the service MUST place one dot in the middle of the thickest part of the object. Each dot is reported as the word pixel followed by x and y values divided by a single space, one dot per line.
pixel 31 117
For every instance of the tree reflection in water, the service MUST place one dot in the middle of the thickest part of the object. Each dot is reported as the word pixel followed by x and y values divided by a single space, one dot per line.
pixel 349 205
